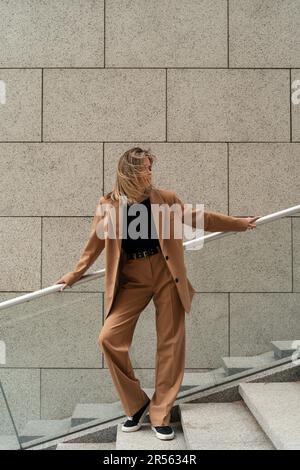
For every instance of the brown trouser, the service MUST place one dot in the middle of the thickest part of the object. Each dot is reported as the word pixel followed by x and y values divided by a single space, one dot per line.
pixel 144 278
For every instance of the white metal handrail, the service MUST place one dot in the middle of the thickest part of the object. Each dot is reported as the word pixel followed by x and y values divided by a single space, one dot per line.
pixel 187 244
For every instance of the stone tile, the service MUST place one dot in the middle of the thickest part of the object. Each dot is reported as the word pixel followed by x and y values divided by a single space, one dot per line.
pixel 104 105
pixel 53 331
pixel 20 253
pixel 20 118
pixel 176 27
pixel 207 331
pixel 45 34
pixel 50 179
pixel 276 186
pixel 22 392
pixel 64 239
pixel 258 260
pixel 259 318
pixel 264 33
pixel 228 105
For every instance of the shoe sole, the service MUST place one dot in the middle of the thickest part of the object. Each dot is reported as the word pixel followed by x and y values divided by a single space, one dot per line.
pixel 139 425
pixel 164 437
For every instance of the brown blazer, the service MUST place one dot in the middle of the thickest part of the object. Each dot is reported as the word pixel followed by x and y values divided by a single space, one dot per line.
pixel 172 248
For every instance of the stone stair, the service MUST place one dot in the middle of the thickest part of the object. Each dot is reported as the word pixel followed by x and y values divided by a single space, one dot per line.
pixel 86 413
pixel 283 349
pixel 235 365
pixel 86 446
pixel 8 442
pixel 36 429
pixel 276 407
pixel 216 426
pixel 265 417
pixel 145 438
pixel 280 349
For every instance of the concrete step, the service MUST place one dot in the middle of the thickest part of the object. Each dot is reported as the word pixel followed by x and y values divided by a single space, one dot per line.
pixel 205 379
pixel 36 429
pixel 284 348
pixel 216 426
pixel 145 438
pixel 275 406
pixel 9 442
pixel 84 446
pixel 86 412
pixel 237 364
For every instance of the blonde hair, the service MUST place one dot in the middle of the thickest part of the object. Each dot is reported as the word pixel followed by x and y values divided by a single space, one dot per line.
pixel 130 171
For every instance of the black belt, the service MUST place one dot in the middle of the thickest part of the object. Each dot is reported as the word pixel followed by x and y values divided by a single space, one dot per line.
pixel 143 253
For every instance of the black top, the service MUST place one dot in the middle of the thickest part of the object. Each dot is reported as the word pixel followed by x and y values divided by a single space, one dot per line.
pixel 130 245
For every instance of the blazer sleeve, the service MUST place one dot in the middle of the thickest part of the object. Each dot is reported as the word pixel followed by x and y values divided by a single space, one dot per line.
pixel 91 251
pixel 213 221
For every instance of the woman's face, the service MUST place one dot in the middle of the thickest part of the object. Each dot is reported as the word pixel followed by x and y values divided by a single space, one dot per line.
pixel 146 181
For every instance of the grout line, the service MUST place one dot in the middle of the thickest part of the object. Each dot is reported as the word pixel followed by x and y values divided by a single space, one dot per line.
pixel 103 319
pixel 166 105
pixel 200 369
pixel 290 101
pixel 146 68
pixel 42 106
pixel 229 325
pixel 104 42
pixel 40 392
pixel 228 180
pixel 246 142
pixel 228 34
pixel 292 253
pixel 41 268
pixel 197 292
pixel 103 169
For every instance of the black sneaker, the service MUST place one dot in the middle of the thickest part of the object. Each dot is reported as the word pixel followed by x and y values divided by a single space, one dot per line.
pixel 134 422
pixel 163 432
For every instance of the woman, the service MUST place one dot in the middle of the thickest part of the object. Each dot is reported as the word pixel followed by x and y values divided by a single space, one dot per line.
pixel 138 269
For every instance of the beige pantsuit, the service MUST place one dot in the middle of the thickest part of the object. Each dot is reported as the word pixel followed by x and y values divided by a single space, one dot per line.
pixel 144 279
pixel 129 287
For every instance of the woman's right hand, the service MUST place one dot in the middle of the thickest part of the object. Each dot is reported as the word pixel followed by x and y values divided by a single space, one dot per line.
pixel 67 280
pixel 250 222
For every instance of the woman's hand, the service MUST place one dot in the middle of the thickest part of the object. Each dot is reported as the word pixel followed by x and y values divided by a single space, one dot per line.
pixel 60 281
pixel 249 222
